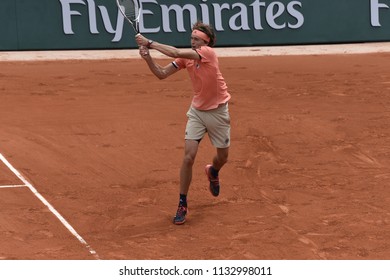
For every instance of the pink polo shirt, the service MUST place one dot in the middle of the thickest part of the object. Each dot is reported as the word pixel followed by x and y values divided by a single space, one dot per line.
pixel 209 86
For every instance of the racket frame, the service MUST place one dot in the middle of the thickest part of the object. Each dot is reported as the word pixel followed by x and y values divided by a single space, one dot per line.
pixel 134 22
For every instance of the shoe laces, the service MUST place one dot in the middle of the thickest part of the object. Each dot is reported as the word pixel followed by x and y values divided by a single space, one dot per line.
pixel 214 180
pixel 181 210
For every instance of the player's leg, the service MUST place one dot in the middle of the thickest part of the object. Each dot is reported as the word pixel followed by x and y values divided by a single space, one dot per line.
pixel 221 158
pixel 190 151
pixel 212 170
pixel 195 131
pixel 218 127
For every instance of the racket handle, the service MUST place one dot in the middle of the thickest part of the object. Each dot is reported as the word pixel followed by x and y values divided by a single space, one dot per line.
pixel 138 34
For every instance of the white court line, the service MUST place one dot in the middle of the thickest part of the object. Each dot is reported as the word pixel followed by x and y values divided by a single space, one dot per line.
pixel 51 208
pixel 360 48
pixel 12 186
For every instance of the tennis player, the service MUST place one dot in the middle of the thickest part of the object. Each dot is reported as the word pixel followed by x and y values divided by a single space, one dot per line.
pixel 209 108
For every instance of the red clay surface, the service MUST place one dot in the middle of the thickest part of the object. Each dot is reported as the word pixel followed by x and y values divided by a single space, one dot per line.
pixel 102 141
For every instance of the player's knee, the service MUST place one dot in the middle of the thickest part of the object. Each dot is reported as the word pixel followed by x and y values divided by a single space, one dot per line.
pixel 188 160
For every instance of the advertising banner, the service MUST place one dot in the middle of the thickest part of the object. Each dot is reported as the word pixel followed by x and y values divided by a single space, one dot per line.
pixel 97 24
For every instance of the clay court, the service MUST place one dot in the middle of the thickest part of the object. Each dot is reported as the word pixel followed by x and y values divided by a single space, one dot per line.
pixel 102 142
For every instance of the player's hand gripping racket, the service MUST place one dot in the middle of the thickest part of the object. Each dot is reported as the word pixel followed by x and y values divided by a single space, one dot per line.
pixel 131 10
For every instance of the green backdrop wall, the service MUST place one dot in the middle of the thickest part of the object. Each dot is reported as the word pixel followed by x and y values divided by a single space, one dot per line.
pixel 96 24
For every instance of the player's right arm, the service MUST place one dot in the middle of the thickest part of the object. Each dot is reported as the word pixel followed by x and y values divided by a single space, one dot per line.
pixel 159 71
pixel 168 50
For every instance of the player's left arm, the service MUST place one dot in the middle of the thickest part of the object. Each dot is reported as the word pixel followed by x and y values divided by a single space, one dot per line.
pixel 159 71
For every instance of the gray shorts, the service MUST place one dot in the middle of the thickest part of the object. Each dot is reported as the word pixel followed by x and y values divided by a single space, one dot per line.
pixel 215 122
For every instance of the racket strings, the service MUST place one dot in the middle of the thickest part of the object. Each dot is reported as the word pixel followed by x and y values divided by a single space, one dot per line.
pixel 130 9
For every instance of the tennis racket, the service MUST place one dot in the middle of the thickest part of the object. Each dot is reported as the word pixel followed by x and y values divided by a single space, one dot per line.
pixel 131 10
